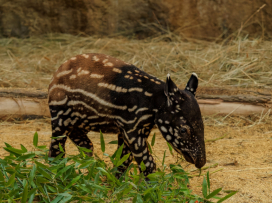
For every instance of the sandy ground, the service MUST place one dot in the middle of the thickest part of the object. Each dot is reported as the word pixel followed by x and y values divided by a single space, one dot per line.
pixel 244 155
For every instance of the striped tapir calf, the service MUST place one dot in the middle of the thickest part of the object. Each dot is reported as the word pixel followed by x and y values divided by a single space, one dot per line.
pixel 93 92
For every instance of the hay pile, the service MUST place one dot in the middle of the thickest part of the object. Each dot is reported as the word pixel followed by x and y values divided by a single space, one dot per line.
pixel 241 62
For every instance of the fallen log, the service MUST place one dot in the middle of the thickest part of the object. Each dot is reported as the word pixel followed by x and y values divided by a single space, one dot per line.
pixel 24 103
pixel 20 102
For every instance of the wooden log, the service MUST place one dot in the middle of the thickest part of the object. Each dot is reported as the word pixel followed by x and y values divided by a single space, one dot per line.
pixel 16 107
pixel 212 107
pixel 23 93
pixel 32 102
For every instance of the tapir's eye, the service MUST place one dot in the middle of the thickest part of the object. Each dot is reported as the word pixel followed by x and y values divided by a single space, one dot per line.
pixel 183 130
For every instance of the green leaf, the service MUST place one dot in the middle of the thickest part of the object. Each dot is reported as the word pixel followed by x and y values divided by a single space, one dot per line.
pixel 40 188
pixel 52 189
pixel 119 153
pixel 11 180
pixel 44 173
pixel 43 147
pixel 61 148
pixel 149 147
pixel 31 176
pixel 143 167
pixel 16 152
pixel 208 181
pixel 227 196
pixel 170 148
pixel 91 171
pixel 113 142
pixel 156 175
pixel 2 179
pixel 97 178
pixel 3 162
pixel 7 145
pixel 86 164
pixel 102 142
pixel 24 157
pixel 109 175
pixel 41 165
pixel 35 139
pixel 57 158
pixel 204 187
pixel 124 158
pixel 84 149
pixel 121 188
pixel 25 193
pixel 31 195
pixel 163 158
pixel 23 148
pixel 86 189
pixel 139 199
pixel 133 185
pixel 57 199
pixel 63 170
pixel 62 197
pixel 66 199
pixel 92 185
pixel 153 140
pixel 42 180
pixel 215 192
pixel 73 181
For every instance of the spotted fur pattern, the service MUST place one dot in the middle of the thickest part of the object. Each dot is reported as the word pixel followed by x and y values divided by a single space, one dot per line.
pixel 93 92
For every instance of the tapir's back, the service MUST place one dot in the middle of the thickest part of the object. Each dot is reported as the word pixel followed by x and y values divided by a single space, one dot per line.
pixel 86 72
pixel 103 86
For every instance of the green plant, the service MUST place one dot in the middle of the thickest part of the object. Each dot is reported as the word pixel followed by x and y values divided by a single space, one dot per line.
pixel 207 194
pixel 27 176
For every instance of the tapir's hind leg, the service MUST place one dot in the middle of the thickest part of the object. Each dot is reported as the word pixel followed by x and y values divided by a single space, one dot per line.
pixel 59 138
pixel 80 138
pixel 125 151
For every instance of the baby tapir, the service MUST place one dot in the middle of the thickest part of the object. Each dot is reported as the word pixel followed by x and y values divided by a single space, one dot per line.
pixel 93 92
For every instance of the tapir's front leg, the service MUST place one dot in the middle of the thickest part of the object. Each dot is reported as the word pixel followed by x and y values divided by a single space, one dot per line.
pixel 136 141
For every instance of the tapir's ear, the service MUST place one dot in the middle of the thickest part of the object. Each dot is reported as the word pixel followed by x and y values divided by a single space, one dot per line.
pixel 169 89
pixel 192 84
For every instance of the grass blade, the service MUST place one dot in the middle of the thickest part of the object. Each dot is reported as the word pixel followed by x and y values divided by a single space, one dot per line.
pixel 25 193
pixel 73 181
pixel 227 196
pixel 11 180
pixel 143 167
pixel 124 158
pixel 119 153
pixel 35 139
pixel 149 147
pixel 31 195
pixel 170 148
pixel 215 192
pixel 23 148
pixel 208 181
pixel 163 158
pixel 204 187
pixel 153 140
pixel 24 157
pixel 102 142
pixel 113 142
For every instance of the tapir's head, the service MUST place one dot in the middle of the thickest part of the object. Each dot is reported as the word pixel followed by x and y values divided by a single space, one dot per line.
pixel 180 121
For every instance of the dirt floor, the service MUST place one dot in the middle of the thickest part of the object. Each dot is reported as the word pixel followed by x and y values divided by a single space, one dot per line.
pixel 243 152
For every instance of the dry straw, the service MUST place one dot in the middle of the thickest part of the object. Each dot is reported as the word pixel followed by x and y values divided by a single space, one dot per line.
pixel 242 62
